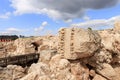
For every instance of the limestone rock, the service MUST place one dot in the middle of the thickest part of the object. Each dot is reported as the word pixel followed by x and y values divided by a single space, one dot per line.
pixel 46 55
pixel 12 72
pixel 6 49
pixel 111 42
pixel 54 71
pixel 98 77
pixel 44 47
pixel 103 56
pixel 79 71
pixel 60 68
pixel 107 38
pixel 24 46
pixel 92 73
pixel 57 63
pixel 78 43
pixel 107 71
pixel 37 71
pixel 29 45
pixel 116 43
pixel 84 55
pixel 116 67
pixel 42 68
pixel 35 76
pixel 49 43
pixel 117 26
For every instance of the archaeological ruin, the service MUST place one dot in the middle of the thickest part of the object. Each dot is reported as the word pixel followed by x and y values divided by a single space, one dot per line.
pixel 73 54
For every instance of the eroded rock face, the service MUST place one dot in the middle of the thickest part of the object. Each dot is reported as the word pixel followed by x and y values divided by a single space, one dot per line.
pixel 42 71
pixel 99 77
pixel 57 61
pixel 6 49
pixel 116 68
pixel 37 71
pixel 100 57
pixel 49 43
pixel 60 68
pixel 78 43
pixel 107 38
pixel 57 69
pixel 107 71
pixel 111 42
pixel 67 70
pixel 46 55
pixel 28 45
pixel 81 72
pixel 24 46
pixel 12 72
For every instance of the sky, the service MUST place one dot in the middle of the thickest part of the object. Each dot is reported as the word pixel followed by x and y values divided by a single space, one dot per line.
pixel 42 17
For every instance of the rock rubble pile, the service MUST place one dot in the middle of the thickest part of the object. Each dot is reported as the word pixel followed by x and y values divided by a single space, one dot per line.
pixel 75 54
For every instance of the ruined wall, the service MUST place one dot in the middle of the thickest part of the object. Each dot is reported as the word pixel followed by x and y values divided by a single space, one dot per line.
pixel 28 45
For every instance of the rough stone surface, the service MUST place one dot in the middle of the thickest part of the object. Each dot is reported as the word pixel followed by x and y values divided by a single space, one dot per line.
pixel 57 69
pixel 6 49
pixel 81 72
pixel 77 43
pixel 111 42
pixel 100 57
pixel 37 72
pixel 49 43
pixel 116 67
pixel 24 46
pixel 107 39
pixel 12 72
pixel 46 55
pixel 98 77
pixel 92 73
pixel 107 71
pixel 60 68
pixel 28 45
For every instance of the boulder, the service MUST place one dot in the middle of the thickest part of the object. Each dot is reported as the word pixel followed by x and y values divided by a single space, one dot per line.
pixel 24 46
pixel 48 43
pixel 44 47
pixel 40 67
pixel 57 63
pixel 111 42
pixel 77 43
pixel 37 71
pixel 103 56
pixel 92 73
pixel 12 72
pixel 35 76
pixel 107 71
pixel 107 39
pixel 80 71
pixel 116 67
pixel 60 68
pixel 46 55
pixel 99 77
